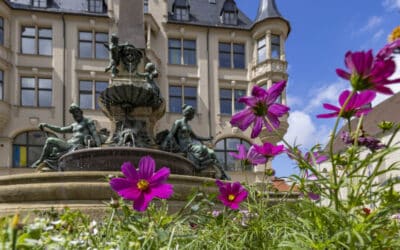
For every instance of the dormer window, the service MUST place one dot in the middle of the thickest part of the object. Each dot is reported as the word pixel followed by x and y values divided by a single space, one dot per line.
pixel 39 3
pixel 181 10
pixel 95 6
pixel 229 13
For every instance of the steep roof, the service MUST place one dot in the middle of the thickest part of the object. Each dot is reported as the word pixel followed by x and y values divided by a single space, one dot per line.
pixel 204 13
pixel 267 9
pixel 59 6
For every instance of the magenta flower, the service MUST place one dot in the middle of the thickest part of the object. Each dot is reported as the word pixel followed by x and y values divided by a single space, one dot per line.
pixel 367 72
pixel 357 105
pixel 143 185
pixel 231 194
pixel 249 158
pixel 388 50
pixel 269 150
pixel 296 154
pixel 317 156
pixel 261 109
pixel 369 142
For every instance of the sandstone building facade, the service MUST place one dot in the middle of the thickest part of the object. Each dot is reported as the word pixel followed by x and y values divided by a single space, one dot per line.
pixel 208 52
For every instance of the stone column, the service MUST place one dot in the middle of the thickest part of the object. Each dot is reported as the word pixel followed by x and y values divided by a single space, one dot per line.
pixel 131 24
pixel 268 44
pixel 282 48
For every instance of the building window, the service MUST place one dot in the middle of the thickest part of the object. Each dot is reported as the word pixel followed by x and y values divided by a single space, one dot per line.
pixel 39 3
pixel 226 146
pixel 89 92
pixel 231 55
pixel 1 85
pixel 36 41
pixel 275 46
pixel 229 100
pixel 261 50
pixel 95 6
pixel 1 31
pixel 182 51
pixel 91 44
pixel 27 147
pixel 229 17
pixel 146 6
pixel 179 95
pixel 36 92
pixel 181 14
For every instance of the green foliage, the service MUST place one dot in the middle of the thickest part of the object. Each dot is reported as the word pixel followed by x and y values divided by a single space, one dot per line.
pixel 355 212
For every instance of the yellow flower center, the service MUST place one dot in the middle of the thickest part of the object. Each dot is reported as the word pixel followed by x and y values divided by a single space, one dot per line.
pixel 231 197
pixel 142 185
pixel 395 34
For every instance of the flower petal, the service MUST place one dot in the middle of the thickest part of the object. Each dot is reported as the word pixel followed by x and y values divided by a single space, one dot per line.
pixel 163 191
pixel 343 74
pixel 125 188
pixel 257 127
pixel 343 97
pixel 146 167
pixel 248 100
pixel 142 202
pixel 160 176
pixel 274 92
pixel 331 107
pixel 243 119
pixel 259 92
pixel 129 171
pixel 329 115
pixel 278 109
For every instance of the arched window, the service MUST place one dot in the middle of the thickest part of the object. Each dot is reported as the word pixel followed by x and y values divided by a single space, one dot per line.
pixel 28 146
pixel 226 146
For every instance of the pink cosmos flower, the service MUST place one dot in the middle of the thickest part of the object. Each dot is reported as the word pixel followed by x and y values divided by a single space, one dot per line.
pixel 388 50
pixel 366 72
pixel 249 158
pixel 269 150
pixel 357 105
pixel 231 194
pixel 143 185
pixel 297 155
pixel 261 109
pixel 317 156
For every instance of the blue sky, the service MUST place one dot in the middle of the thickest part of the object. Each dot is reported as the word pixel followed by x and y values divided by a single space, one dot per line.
pixel 322 32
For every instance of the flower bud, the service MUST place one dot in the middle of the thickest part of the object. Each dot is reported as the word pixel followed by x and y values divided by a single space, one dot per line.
pixel 385 125
pixel 114 203
pixel 270 172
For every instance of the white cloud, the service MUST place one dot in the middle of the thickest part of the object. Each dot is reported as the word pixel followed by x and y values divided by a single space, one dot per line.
pixel 293 101
pixel 391 4
pixel 302 131
pixel 372 23
pixel 378 35
pixel 327 93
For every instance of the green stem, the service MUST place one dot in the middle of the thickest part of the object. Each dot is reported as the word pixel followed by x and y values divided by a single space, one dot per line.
pixel 110 222
pixel 335 188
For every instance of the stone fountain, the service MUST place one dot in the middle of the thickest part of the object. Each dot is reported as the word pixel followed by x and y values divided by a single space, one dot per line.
pixel 133 104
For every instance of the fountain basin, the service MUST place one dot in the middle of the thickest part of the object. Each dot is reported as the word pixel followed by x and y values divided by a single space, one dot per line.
pixel 111 159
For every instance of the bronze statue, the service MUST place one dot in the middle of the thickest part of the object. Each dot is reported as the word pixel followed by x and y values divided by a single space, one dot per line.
pixel 125 53
pixel 115 59
pixel 181 139
pixel 149 74
pixel 84 134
